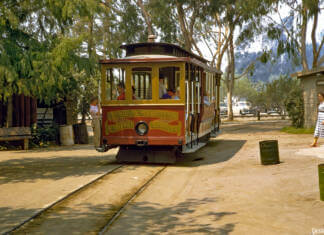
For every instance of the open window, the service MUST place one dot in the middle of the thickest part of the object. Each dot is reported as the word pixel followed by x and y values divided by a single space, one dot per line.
pixel 169 83
pixel 115 84
pixel 142 83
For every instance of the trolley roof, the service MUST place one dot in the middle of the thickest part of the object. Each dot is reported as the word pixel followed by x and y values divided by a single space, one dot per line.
pixel 159 52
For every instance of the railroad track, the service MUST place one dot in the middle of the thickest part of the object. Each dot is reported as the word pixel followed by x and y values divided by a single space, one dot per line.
pixel 52 205
pixel 46 213
pixel 119 212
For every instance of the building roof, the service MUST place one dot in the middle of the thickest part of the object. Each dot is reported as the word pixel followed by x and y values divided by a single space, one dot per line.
pixel 304 74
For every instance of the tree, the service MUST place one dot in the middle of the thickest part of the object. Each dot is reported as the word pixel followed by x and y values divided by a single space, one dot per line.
pixel 233 15
pixel 40 55
pixel 291 31
pixel 294 104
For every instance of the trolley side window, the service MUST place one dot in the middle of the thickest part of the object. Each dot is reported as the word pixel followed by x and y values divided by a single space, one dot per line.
pixel 142 83
pixel 115 84
pixel 169 83
pixel 208 92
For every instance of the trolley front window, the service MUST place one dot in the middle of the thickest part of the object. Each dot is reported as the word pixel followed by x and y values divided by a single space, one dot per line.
pixel 169 83
pixel 142 83
pixel 115 84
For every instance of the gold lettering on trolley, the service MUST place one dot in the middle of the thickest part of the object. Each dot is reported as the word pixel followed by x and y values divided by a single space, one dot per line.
pixel 122 120
pixel 126 114
pixel 164 126
pixel 119 126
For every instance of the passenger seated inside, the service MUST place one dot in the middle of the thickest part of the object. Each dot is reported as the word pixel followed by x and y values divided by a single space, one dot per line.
pixel 121 91
pixel 134 93
pixel 162 89
pixel 177 94
pixel 169 94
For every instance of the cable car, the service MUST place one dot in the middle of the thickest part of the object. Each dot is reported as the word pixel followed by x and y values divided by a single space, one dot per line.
pixel 158 102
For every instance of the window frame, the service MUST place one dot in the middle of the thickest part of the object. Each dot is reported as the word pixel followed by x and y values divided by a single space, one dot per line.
pixel 155 84
pixel 143 72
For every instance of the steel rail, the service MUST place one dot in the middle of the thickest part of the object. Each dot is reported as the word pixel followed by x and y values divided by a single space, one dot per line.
pixel 40 212
pixel 123 207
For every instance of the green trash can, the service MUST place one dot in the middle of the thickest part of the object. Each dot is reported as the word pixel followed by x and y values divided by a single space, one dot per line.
pixel 269 152
pixel 321 180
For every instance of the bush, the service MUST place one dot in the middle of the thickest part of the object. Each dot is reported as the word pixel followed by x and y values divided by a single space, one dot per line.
pixel 295 107
pixel 42 136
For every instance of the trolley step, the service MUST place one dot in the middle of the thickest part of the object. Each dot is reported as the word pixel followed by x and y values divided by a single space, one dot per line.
pixel 194 148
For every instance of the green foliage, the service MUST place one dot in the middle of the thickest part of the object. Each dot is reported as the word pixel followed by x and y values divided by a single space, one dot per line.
pixel 251 91
pixel 163 17
pixel 42 136
pixel 294 130
pixel 279 90
pixel 38 55
pixel 295 107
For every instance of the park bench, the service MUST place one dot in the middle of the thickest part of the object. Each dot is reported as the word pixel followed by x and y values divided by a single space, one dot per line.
pixel 16 133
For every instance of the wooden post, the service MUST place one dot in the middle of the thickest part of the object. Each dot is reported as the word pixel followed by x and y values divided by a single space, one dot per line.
pixel 9 112
pixel 16 111
pixel 22 109
pixel 1 112
pixel 26 143
pixel 27 111
pixel 33 110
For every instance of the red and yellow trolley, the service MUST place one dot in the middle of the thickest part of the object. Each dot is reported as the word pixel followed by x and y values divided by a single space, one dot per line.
pixel 158 101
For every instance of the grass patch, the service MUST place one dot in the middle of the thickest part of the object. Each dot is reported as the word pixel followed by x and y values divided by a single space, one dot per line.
pixel 294 130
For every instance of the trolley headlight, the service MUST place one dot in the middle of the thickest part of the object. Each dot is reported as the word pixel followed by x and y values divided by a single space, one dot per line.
pixel 141 128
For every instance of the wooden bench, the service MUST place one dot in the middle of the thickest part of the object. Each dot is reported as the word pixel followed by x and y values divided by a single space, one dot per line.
pixel 16 133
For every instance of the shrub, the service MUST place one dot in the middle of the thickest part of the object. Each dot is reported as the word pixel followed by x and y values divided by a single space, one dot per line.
pixel 294 104
pixel 42 136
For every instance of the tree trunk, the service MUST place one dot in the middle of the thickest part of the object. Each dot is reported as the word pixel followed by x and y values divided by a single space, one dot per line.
pixel 181 16
pixel 231 78
pixel 90 38
pixel 146 16
pixel 303 39
pixel 222 45
pixel 230 115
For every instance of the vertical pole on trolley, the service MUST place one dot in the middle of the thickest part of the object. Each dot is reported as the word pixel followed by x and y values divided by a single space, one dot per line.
pixel 192 103
pixel 99 101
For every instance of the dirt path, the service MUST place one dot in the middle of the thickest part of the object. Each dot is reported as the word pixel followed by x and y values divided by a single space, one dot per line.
pixel 228 191
pixel 221 189
pixel 87 211
pixel 29 181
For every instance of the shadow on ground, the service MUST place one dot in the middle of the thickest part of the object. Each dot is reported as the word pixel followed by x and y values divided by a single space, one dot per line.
pixel 216 151
pixel 185 217
pixel 30 169
pixel 254 127
pixel 140 218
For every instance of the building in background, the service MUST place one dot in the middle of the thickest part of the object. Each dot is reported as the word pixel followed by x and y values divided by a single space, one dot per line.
pixel 312 83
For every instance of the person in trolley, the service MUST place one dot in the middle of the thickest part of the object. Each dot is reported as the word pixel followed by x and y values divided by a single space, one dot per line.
pixel 319 131
pixel 96 120
pixel 121 91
